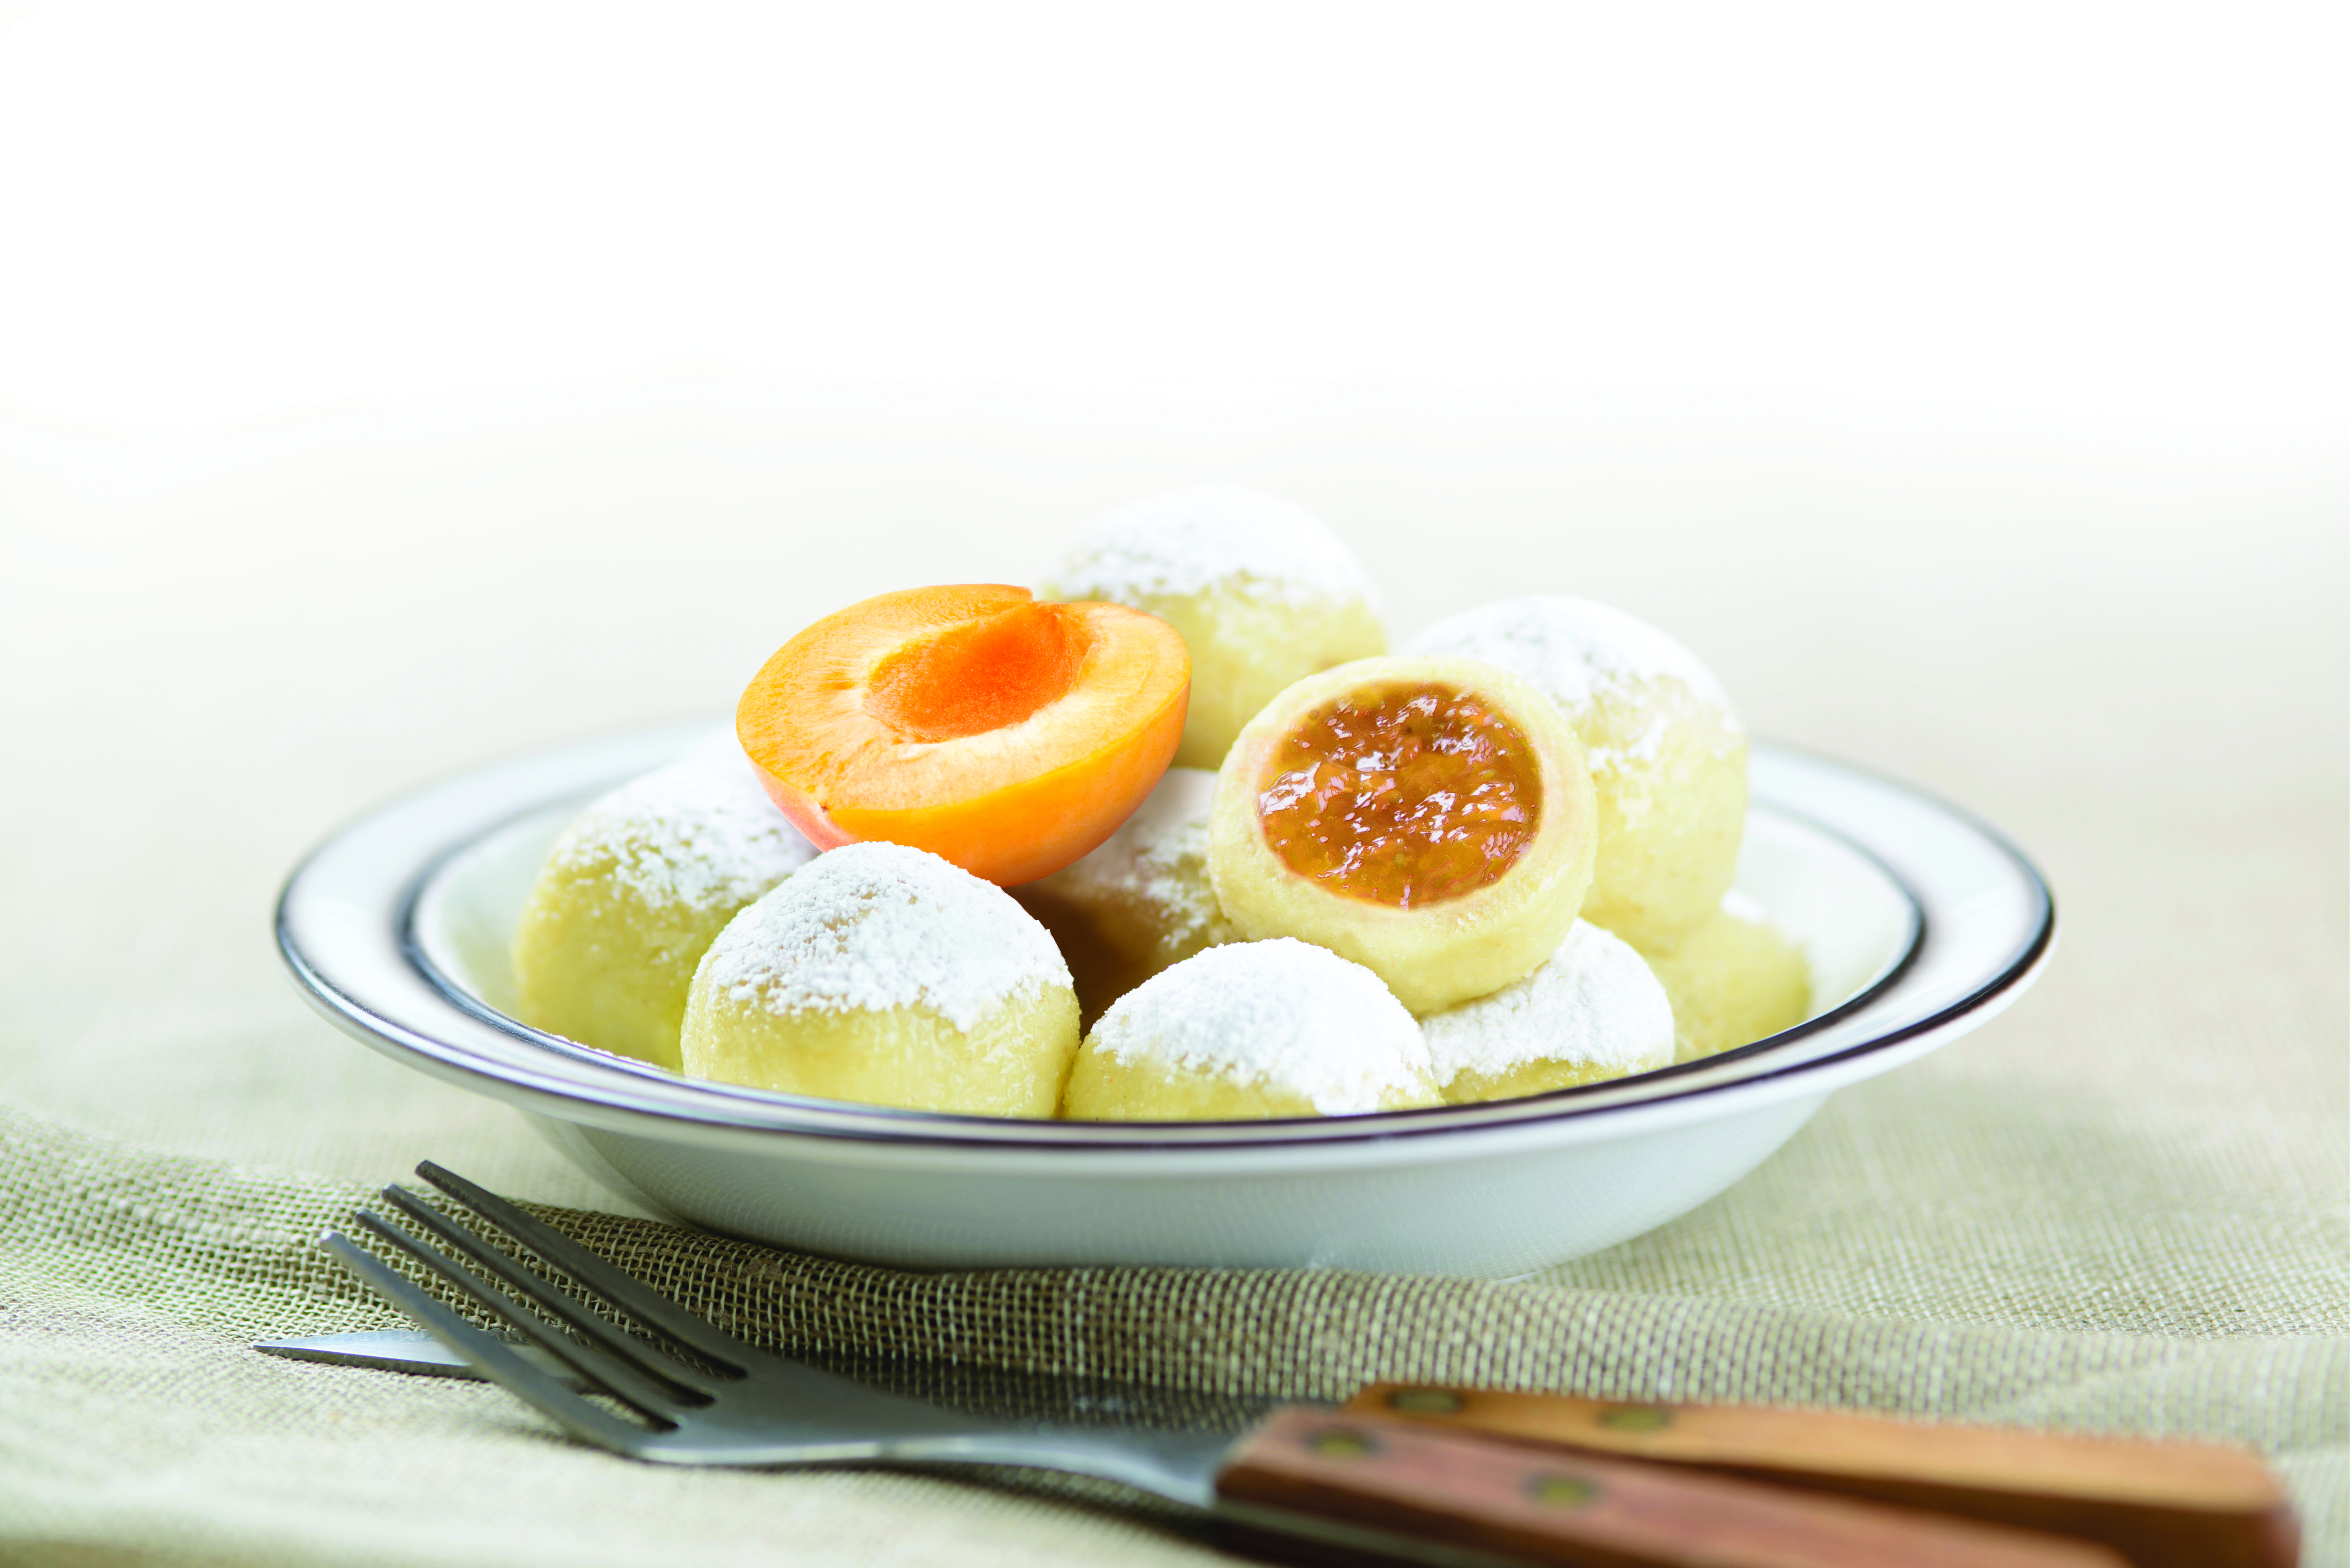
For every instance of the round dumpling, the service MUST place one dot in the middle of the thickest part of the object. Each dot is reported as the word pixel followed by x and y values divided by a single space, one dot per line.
pixel 1593 1012
pixel 1668 756
pixel 1432 819
pixel 1248 1031
pixel 634 892
pixel 1142 901
pixel 1261 591
pixel 884 974
pixel 1732 981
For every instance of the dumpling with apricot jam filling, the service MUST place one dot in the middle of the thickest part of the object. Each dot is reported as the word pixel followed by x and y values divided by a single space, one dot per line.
pixel 1432 819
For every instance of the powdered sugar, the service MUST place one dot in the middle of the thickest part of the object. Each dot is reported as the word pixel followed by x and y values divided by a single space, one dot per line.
pixel 1281 1014
pixel 1159 856
pixel 1574 650
pixel 1595 1002
pixel 1214 535
pixel 698 834
pixel 871 927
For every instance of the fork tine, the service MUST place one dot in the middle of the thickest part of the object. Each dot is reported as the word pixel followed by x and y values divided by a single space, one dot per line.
pixel 488 1356
pixel 691 1386
pixel 639 1302
pixel 615 1378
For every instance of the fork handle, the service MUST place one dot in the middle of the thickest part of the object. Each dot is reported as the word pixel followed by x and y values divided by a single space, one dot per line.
pixel 1385 1487
pixel 2160 1504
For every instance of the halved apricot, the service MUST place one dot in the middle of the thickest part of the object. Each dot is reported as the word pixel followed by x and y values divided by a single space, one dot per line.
pixel 1007 736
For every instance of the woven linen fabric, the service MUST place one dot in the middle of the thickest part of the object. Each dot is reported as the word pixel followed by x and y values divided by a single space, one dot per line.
pixel 2124 1205
pixel 116 1255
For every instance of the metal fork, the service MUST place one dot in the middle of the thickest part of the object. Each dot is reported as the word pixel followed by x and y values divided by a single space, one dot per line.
pixel 1384 1486
pixel 747 1407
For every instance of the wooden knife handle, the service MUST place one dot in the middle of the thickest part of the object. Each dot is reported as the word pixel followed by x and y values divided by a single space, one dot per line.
pixel 1379 1487
pixel 2160 1504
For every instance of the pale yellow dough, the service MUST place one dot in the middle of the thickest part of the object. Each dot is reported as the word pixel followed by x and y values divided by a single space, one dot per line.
pixel 1141 902
pixel 885 975
pixel 1732 982
pixel 1245 650
pixel 636 889
pixel 1106 1090
pixel 1010 1062
pixel 1591 1013
pixel 1668 756
pixel 1262 592
pixel 1248 1031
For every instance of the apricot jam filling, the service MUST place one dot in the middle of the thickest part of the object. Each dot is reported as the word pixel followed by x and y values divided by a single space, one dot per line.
pixel 1406 796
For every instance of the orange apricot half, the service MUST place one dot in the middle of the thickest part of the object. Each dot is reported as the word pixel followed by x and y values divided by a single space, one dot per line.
pixel 1007 736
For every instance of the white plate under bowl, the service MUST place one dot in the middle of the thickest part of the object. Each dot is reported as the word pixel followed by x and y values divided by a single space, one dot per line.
pixel 1919 923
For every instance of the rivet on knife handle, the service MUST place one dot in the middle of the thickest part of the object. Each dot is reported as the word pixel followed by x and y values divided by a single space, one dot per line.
pixel 1374 1482
pixel 2161 1504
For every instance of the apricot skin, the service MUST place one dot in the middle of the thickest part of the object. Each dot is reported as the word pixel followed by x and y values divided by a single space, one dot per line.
pixel 1006 736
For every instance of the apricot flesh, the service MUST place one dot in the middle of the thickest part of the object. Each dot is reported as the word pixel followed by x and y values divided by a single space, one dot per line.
pixel 1005 736
pixel 978 675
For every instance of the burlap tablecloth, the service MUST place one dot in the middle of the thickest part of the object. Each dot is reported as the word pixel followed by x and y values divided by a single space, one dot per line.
pixel 2125 1205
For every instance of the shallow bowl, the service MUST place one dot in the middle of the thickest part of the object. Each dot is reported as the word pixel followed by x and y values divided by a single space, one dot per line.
pixel 1919 923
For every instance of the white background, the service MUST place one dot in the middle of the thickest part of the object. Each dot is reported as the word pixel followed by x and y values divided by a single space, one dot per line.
pixel 2106 225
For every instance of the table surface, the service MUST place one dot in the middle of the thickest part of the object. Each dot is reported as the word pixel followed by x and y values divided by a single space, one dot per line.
pixel 2135 663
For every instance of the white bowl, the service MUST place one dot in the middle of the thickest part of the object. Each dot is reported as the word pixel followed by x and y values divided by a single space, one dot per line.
pixel 1921 923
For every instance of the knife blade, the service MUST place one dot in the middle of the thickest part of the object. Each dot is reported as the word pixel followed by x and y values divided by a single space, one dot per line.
pixel 401 1350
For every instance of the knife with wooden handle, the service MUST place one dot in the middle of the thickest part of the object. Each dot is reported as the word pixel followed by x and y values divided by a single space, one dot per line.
pixel 1385 1480
pixel 2160 1504
pixel 1336 1487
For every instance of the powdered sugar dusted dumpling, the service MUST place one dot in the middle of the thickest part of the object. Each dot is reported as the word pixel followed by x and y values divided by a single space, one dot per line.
pixel 1249 1030
pixel 1732 981
pixel 635 890
pixel 1592 1012
pixel 1668 756
pixel 1141 902
pixel 884 974
pixel 1261 591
